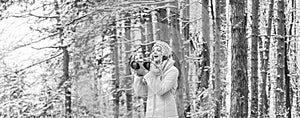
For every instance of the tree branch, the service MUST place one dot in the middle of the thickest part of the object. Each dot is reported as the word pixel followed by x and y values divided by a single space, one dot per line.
pixel 20 46
pixel 17 71
pixel 79 18
pixel 58 47
pixel 38 16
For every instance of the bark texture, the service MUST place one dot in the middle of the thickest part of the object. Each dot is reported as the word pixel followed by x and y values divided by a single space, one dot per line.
pixel 254 59
pixel 280 80
pixel 264 59
pixel 239 81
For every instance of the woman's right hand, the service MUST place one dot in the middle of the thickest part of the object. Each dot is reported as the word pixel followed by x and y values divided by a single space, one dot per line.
pixel 141 71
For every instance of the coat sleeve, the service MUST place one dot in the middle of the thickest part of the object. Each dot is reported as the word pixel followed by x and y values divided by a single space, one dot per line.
pixel 140 88
pixel 168 82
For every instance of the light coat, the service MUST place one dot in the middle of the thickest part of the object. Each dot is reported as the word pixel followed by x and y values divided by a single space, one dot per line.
pixel 159 88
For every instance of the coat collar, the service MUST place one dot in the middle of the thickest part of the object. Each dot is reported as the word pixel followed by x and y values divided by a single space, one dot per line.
pixel 162 68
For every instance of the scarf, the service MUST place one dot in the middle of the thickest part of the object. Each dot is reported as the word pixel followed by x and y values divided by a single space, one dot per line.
pixel 161 68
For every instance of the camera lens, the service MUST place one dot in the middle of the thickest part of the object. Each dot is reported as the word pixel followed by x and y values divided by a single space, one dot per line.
pixel 146 65
pixel 135 65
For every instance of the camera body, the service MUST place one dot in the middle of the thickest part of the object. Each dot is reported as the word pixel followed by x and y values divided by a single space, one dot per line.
pixel 141 57
pixel 138 61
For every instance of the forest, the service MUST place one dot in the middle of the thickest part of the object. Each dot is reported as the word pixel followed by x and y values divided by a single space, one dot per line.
pixel 70 58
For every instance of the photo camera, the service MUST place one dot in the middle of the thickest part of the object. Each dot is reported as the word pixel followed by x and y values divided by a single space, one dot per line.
pixel 137 64
pixel 141 57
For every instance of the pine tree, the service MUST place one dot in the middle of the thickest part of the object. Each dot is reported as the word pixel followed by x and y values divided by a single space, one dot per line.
pixel 185 14
pixel 288 65
pixel 239 82
pixel 116 72
pixel 297 62
pixel 280 80
pixel 128 82
pixel 177 45
pixel 65 82
pixel 254 60
pixel 217 51
pixel 67 87
pixel 206 46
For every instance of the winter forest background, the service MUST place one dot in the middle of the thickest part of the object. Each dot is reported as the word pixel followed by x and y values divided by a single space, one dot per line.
pixel 69 58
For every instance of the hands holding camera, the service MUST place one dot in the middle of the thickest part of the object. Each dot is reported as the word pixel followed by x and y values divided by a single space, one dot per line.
pixel 141 71
pixel 140 65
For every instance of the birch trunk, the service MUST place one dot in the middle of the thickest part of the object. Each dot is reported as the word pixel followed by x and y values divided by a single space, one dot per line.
pixel 127 80
pixel 229 62
pixel 264 60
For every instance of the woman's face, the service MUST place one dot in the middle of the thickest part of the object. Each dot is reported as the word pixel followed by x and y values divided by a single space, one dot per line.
pixel 157 54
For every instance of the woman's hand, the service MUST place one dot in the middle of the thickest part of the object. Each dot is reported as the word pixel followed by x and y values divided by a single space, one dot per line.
pixel 141 71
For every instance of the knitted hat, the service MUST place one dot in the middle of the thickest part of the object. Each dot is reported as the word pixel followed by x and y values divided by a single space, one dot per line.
pixel 166 49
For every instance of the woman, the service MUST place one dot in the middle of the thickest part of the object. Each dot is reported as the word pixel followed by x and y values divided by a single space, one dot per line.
pixel 159 83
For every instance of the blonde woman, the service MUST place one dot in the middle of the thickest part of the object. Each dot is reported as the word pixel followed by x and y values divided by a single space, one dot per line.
pixel 159 83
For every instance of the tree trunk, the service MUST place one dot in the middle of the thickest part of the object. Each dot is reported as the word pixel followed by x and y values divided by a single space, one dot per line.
pixel 287 83
pixel 116 74
pixel 96 96
pixel 127 80
pixel 264 57
pixel 177 44
pixel 280 80
pixel 297 32
pixel 254 60
pixel 148 28
pixel 162 19
pixel 65 82
pixel 217 58
pixel 206 45
pixel 154 22
pixel 186 48
pixel 67 86
pixel 288 45
pixel 293 62
pixel 239 82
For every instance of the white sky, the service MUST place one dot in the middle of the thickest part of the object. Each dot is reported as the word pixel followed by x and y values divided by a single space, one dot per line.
pixel 16 31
